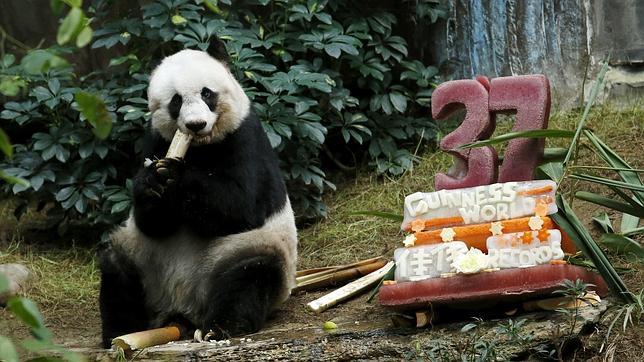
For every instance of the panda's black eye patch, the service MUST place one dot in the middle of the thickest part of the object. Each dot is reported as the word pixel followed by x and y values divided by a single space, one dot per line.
pixel 210 98
pixel 175 106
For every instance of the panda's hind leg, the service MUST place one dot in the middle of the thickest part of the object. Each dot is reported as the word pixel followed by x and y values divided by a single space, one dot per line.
pixel 121 300
pixel 243 293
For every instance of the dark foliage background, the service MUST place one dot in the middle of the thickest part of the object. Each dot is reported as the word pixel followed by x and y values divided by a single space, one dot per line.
pixel 332 81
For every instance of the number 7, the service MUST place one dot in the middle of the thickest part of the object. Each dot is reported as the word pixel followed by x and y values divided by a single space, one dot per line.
pixel 529 97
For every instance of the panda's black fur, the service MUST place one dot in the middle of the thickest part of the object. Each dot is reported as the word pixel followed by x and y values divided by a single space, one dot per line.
pixel 211 240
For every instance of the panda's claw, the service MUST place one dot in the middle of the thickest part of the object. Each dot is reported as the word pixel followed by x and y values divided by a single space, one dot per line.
pixel 210 335
pixel 163 171
pixel 152 193
pixel 198 336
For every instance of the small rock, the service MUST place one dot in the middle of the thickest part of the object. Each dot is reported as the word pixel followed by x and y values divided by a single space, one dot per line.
pixel 18 276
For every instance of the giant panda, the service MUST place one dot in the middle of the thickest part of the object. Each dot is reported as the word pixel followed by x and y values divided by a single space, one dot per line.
pixel 211 242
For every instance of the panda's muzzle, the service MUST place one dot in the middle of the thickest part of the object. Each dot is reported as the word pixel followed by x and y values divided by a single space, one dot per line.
pixel 196 126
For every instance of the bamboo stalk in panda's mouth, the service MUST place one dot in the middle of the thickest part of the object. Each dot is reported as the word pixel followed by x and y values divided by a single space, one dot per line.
pixel 179 145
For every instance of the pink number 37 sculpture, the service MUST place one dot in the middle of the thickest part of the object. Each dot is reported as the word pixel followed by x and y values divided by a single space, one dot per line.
pixel 528 96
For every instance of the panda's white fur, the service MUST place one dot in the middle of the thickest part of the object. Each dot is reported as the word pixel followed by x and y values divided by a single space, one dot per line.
pixel 184 72
pixel 170 265
pixel 174 270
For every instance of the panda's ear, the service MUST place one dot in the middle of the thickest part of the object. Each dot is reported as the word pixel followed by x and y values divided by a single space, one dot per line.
pixel 217 50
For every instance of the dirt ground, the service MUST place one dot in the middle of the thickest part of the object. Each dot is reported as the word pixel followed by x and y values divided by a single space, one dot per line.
pixel 66 278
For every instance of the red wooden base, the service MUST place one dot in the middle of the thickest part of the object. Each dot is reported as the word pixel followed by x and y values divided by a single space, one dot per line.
pixel 486 289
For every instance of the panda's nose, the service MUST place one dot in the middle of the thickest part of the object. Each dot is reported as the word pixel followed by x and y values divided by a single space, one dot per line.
pixel 196 126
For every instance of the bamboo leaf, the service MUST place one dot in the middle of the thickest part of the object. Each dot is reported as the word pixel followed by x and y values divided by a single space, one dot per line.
pixel 634 231
pixel 535 133
pixel 638 170
pixel 384 215
pixel 604 181
pixel 626 197
pixel 389 276
pixel 582 122
pixel 553 170
pixel 623 245
pixel 553 154
pixel 629 222
pixel 615 161
pixel 604 222
pixel 569 223
pixel 609 203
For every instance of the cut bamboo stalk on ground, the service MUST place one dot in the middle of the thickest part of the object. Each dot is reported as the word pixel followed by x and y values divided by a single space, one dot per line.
pixel 179 145
pixel 139 340
pixel 305 272
pixel 340 276
pixel 589 298
pixel 325 302
pixel 424 318
pixel 307 275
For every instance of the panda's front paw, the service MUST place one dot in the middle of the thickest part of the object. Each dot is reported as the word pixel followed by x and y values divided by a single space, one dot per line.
pixel 162 177
pixel 169 170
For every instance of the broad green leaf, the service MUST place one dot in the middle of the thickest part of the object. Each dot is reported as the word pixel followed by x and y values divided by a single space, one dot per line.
pixel 5 144
pixel 120 207
pixel 178 20
pixel 84 37
pixel 94 110
pixel 11 85
pixel 535 133
pixel 623 245
pixel 56 6
pixel 333 50
pixel 384 215
pixel 27 311
pixel 609 203
pixel 399 101
pixel 39 61
pixel 14 180
pixel 604 222
pixel 629 222
pixel 70 26
pixel 8 351
pixel 8 60
pixel 74 3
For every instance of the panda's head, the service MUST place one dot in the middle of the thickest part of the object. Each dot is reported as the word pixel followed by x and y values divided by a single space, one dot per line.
pixel 196 93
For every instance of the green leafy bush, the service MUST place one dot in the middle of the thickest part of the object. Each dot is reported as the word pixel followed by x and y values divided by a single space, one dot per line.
pixel 331 80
